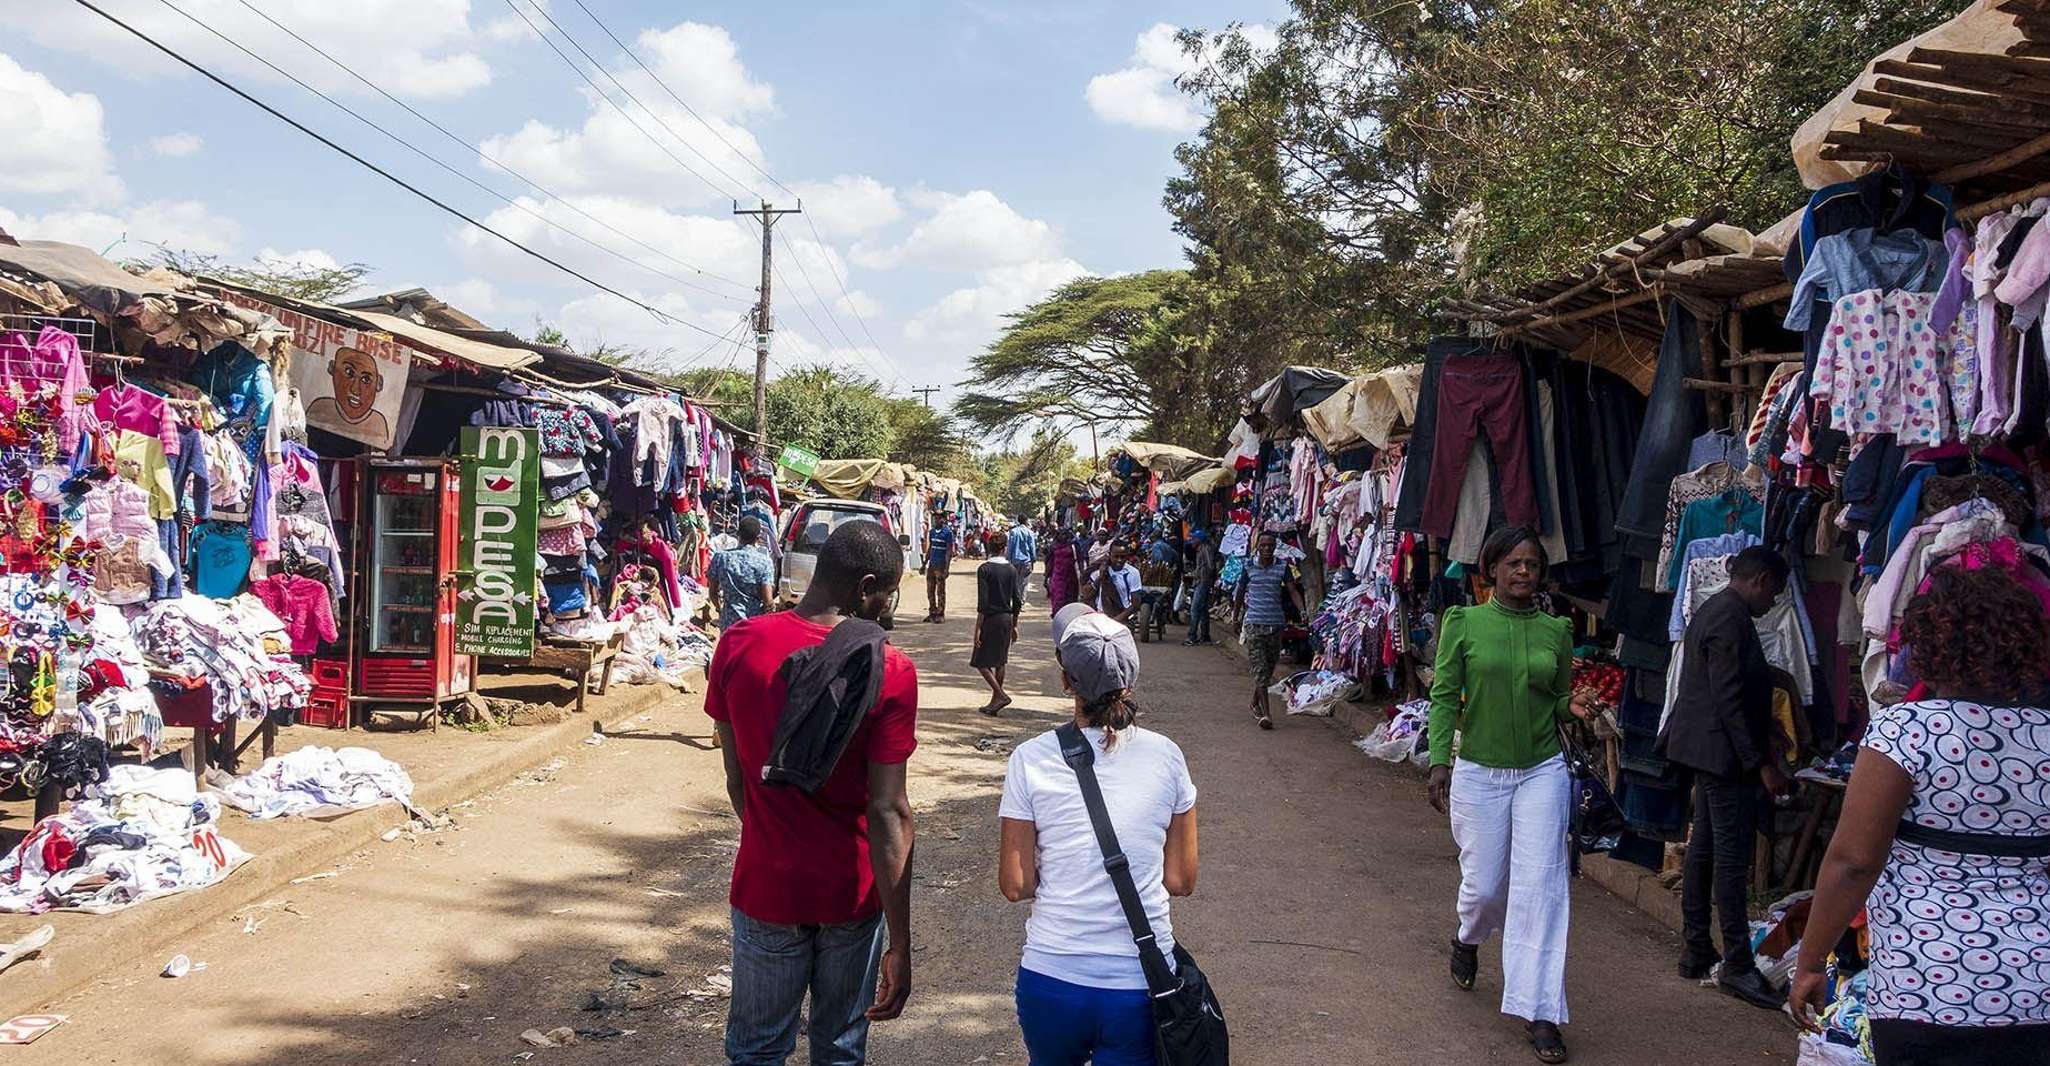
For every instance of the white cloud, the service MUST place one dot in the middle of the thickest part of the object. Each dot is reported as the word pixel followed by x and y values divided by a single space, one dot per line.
pixel 56 141
pixel 602 319
pixel 431 58
pixel 703 65
pixel 1144 93
pixel 720 247
pixel 971 315
pixel 651 151
pixel 309 258
pixel 850 205
pixel 615 155
pixel 176 145
pixel 486 302
pixel 187 225
pixel 970 231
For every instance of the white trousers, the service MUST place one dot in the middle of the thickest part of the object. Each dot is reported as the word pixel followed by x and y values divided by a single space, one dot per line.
pixel 1511 827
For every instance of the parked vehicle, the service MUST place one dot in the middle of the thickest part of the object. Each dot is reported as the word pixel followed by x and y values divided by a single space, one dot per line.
pixel 805 531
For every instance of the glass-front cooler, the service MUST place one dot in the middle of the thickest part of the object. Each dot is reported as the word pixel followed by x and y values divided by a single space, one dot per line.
pixel 408 554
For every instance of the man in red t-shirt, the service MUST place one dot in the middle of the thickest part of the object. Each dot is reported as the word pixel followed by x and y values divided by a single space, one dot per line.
pixel 820 876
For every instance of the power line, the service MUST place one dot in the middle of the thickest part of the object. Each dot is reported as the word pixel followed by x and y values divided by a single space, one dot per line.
pixel 714 131
pixel 468 146
pixel 383 173
pixel 623 112
pixel 724 338
pixel 416 150
pixel 852 345
pixel 838 280
pixel 689 110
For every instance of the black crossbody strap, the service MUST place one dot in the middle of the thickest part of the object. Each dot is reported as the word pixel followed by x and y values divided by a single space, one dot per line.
pixel 1079 755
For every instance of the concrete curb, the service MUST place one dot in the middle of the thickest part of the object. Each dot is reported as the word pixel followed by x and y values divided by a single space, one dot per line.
pixel 1629 882
pixel 85 949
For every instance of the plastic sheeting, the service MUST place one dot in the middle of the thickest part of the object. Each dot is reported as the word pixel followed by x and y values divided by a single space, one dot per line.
pixel 1981 28
pixel 1168 460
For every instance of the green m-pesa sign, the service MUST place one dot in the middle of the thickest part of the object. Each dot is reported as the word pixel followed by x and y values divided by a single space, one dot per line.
pixel 501 507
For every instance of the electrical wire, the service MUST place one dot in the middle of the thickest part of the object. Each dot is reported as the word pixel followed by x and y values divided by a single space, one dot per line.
pixel 383 173
pixel 842 282
pixel 724 338
pixel 422 153
pixel 468 146
pixel 623 112
pixel 714 131
pixel 689 110
pixel 852 345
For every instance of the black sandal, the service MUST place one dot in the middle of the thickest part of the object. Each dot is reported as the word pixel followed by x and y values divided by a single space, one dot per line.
pixel 1466 964
pixel 1546 1043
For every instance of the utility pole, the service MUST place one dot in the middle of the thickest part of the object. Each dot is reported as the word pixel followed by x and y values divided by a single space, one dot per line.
pixel 767 214
pixel 926 393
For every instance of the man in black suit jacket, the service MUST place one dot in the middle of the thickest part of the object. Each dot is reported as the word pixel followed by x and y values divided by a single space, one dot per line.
pixel 1720 728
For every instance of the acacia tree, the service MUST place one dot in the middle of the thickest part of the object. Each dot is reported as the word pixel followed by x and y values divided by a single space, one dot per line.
pixel 302 281
pixel 1068 361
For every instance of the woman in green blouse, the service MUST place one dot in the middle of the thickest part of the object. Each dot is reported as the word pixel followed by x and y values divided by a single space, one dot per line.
pixel 1504 682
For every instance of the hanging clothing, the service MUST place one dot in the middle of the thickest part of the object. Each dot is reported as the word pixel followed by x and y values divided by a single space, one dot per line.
pixel 1476 395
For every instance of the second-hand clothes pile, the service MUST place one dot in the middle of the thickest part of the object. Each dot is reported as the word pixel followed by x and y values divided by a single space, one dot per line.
pixel 139 835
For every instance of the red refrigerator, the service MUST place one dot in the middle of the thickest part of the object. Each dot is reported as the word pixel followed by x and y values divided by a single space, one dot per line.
pixel 406 558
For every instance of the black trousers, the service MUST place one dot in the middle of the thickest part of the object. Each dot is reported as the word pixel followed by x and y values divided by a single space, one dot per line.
pixel 1718 869
pixel 1899 1043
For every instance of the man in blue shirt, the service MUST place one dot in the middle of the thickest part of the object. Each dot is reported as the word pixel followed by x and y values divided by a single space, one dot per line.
pixel 940 544
pixel 1022 547
pixel 740 577
pixel 1263 588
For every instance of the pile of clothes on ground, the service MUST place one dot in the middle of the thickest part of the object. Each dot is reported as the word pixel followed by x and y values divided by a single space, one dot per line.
pixel 315 782
pixel 138 835
pixel 1402 737
pixel 1316 692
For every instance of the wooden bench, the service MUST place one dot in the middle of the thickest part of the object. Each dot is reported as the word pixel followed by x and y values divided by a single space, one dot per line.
pixel 578 658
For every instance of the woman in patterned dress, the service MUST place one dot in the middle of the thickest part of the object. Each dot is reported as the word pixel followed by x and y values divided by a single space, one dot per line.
pixel 1944 840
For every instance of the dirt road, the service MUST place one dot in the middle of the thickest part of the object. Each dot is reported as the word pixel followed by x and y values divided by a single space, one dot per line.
pixel 1324 908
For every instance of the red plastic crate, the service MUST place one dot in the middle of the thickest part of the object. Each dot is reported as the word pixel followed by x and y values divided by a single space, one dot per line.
pixel 330 673
pixel 327 709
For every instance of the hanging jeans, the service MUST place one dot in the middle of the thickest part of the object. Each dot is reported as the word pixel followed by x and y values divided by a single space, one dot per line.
pixel 1510 826
pixel 1718 870
pixel 1481 394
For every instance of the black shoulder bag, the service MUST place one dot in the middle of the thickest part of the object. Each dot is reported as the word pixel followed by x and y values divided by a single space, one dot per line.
pixel 1188 1024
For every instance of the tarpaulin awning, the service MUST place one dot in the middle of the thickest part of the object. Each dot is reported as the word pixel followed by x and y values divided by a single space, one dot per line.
pixel 1168 460
pixel 481 353
pixel 1296 389
pixel 1367 409
pixel 847 479
pixel 93 280
pixel 1200 483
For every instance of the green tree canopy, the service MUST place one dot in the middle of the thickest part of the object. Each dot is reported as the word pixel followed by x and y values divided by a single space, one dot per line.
pixel 1067 360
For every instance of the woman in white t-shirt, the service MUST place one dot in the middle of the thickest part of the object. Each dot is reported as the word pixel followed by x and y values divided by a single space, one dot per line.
pixel 1081 993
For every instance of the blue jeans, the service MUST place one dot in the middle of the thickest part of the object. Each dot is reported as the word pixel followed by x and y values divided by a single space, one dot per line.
pixel 774 965
pixel 1068 1025
pixel 1199 613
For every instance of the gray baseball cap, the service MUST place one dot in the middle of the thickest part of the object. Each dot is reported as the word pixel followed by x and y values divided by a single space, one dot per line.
pixel 1065 617
pixel 1098 654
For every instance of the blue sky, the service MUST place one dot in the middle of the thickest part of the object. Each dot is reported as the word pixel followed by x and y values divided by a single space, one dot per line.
pixel 958 159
